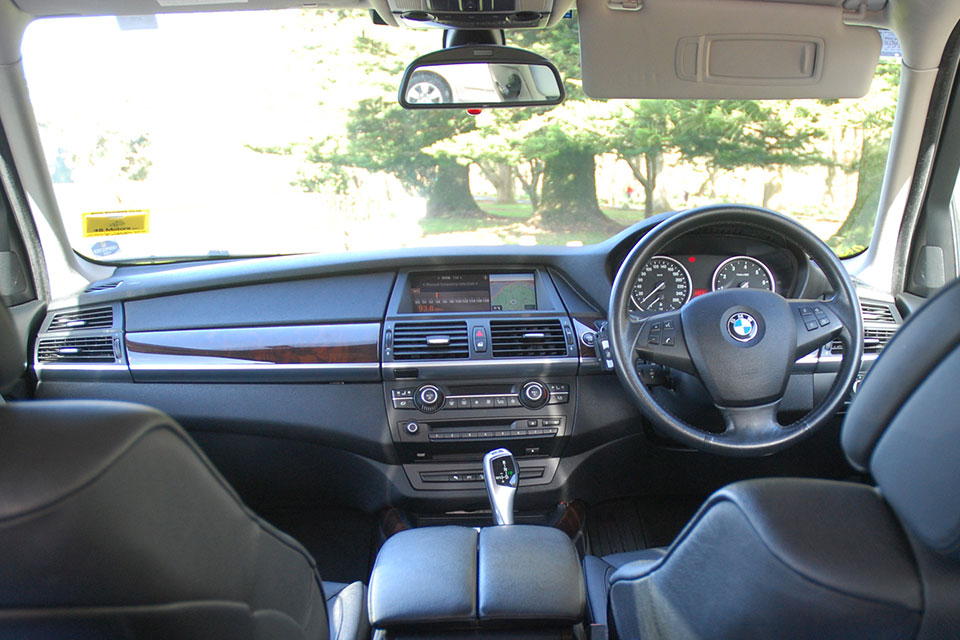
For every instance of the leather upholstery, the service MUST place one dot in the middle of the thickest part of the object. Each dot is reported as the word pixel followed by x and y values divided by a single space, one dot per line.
pixel 114 524
pixel 927 337
pixel 761 555
pixel 808 558
pixel 529 573
pixel 405 585
pixel 455 579
pixel 13 356
pixel 903 423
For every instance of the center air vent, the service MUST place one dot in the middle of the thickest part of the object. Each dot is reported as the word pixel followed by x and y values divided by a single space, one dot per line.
pixel 874 340
pixel 878 313
pixel 99 318
pixel 527 338
pixel 77 349
pixel 430 340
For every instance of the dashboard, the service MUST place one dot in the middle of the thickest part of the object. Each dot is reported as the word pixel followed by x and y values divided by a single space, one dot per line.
pixel 383 379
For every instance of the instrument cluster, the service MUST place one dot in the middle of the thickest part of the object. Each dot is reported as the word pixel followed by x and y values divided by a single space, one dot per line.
pixel 667 282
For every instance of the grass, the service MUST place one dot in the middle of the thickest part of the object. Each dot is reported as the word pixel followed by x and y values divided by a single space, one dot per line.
pixel 507 222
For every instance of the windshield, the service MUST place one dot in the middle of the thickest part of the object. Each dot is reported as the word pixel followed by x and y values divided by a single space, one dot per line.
pixel 264 133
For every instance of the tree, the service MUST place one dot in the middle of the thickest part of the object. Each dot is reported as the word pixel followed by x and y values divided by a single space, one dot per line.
pixel 730 134
pixel 873 116
pixel 641 136
pixel 382 136
pixel 562 143
pixel 567 141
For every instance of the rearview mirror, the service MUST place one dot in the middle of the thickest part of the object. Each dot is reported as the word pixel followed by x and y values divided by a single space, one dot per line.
pixel 480 76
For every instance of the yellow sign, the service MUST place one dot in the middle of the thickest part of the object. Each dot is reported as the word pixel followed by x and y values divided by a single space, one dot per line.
pixel 116 223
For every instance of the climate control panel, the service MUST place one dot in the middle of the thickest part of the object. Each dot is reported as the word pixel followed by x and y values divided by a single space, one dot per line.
pixel 431 398
pixel 457 421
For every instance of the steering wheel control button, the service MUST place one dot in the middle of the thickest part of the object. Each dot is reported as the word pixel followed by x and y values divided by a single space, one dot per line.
pixel 668 340
pixel 534 394
pixel 811 325
pixel 654 338
pixel 428 398
pixel 743 327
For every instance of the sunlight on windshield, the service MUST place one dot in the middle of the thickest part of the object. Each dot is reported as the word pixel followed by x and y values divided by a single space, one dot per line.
pixel 260 133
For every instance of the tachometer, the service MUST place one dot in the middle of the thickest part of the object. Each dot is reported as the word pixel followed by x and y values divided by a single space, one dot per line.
pixel 743 272
pixel 663 285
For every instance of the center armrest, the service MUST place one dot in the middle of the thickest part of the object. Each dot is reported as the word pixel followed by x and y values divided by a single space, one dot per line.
pixel 529 573
pixel 455 577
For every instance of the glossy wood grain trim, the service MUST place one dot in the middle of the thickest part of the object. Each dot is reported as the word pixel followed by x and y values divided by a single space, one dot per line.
pixel 291 345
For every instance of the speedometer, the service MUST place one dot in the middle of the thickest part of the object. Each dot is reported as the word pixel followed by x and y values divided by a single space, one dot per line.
pixel 662 285
pixel 743 272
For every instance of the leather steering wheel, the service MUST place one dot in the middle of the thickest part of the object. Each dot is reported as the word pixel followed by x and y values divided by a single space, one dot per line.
pixel 740 343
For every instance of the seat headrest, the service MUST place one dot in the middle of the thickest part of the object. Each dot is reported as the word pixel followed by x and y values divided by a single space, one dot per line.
pixel 904 423
pixel 13 354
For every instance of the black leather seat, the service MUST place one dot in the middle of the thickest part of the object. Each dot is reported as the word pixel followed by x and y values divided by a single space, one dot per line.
pixel 804 558
pixel 113 524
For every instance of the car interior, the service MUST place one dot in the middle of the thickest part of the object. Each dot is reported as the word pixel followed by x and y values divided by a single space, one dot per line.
pixel 308 413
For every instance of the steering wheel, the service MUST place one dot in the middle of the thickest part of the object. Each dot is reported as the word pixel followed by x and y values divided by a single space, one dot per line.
pixel 740 343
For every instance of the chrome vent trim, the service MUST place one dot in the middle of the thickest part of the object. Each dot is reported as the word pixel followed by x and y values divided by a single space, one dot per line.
pixel 440 340
pixel 98 318
pixel 527 338
pixel 878 313
pixel 103 286
pixel 874 340
pixel 77 349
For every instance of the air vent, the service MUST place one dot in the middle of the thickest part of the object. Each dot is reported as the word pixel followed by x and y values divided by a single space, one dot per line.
pixel 103 286
pixel 430 340
pixel 874 340
pixel 875 312
pixel 76 349
pixel 99 318
pixel 527 338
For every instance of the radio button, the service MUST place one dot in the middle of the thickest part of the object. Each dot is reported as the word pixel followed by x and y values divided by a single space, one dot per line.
pixel 534 394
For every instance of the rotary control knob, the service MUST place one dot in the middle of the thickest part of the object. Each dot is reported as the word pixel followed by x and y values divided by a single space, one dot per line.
pixel 534 394
pixel 428 398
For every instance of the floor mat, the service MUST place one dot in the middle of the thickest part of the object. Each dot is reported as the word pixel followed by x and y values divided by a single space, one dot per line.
pixel 638 523
pixel 343 541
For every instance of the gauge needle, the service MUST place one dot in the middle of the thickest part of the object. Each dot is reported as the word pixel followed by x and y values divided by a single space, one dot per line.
pixel 657 288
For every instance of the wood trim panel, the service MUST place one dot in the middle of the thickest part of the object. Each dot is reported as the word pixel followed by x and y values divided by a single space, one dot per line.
pixel 300 344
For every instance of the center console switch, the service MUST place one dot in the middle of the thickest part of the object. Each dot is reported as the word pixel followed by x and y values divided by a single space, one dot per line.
pixel 516 577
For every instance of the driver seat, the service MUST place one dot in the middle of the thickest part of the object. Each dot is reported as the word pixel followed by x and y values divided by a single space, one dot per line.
pixel 807 558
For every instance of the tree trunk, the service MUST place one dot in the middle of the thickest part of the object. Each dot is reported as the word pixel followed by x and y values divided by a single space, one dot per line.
pixel 855 232
pixel 647 178
pixel 449 196
pixel 500 175
pixel 569 199
pixel 532 187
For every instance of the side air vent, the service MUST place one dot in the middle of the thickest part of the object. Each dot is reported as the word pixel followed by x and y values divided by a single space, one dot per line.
pixel 430 340
pixel 99 318
pixel 875 312
pixel 76 349
pixel 874 340
pixel 527 338
pixel 103 286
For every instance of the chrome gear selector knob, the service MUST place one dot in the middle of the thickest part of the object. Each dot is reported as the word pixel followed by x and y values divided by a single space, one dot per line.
pixel 502 476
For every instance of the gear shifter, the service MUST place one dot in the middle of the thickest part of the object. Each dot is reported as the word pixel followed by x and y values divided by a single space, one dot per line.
pixel 501 475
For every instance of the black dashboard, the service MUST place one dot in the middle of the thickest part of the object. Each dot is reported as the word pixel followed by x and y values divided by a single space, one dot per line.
pixel 385 377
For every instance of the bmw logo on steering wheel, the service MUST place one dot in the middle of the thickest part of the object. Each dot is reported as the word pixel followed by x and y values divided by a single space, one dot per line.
pixel 743 327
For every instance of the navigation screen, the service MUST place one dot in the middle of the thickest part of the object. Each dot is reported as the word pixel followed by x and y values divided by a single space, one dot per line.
pixel 433 293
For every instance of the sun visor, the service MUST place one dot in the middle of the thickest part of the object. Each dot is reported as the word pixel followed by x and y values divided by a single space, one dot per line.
pixel 723 49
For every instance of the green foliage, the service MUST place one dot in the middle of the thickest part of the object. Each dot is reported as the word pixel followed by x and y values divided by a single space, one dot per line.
pixel 382 136
pixel 127 155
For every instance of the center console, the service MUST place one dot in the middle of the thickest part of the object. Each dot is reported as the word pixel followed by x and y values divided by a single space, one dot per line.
pixel 472 360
